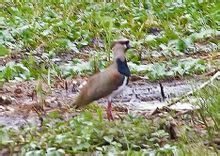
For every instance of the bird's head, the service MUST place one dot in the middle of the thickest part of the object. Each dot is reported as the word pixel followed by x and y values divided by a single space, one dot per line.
pixel 121 44
pixel 119 48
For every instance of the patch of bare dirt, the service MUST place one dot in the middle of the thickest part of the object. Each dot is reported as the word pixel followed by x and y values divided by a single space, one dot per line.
pixel 26 104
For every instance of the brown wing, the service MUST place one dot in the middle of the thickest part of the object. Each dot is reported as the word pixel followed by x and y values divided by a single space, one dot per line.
pixel 98 86
pixel 104 83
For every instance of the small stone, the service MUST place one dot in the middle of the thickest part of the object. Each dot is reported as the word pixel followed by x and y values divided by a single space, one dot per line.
pixel 5 100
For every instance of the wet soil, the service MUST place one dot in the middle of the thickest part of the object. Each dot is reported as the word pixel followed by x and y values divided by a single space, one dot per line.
pixel 20 105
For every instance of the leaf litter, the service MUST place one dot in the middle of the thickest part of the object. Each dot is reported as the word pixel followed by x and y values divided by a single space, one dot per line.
pixel 139 96
pixel 163 54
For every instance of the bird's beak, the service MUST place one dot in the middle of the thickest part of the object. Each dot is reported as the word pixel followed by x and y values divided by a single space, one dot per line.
pixel 128 46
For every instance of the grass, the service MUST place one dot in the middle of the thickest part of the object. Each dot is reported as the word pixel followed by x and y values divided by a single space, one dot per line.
pixel 72 27
pixel 165 38
pixel 89 133
pixel 85 133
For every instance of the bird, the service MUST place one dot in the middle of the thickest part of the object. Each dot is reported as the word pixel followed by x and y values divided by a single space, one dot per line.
pixel 109 82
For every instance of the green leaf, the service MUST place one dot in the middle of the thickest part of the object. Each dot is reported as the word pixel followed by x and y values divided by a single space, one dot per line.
pixel 54 114
pixel 181 45
pixel 3 50
pixel 109 139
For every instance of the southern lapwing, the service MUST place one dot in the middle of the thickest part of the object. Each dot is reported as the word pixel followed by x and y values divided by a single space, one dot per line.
pixel 108 83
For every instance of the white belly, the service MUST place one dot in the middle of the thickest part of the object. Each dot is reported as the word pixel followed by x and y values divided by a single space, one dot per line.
pixel 119 90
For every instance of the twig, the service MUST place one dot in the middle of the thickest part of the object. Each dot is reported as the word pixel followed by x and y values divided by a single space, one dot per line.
pixel 162 91
pixel 137 77
pixel 173 101
pixel 182 113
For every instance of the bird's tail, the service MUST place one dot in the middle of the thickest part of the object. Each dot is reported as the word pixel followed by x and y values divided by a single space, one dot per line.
pixel 76 103
pixel 80 101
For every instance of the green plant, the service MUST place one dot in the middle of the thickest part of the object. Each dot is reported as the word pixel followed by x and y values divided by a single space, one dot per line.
pixel 209 105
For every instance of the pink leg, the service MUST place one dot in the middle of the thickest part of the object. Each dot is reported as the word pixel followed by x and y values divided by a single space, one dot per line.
pixel 109 111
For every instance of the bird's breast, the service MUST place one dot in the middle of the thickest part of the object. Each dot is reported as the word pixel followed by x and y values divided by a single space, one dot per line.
pixel 119 89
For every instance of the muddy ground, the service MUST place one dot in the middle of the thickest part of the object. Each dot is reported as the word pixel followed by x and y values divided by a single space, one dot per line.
pixel 20 105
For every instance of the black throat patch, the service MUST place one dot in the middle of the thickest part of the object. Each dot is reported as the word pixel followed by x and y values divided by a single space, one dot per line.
pixel 123 68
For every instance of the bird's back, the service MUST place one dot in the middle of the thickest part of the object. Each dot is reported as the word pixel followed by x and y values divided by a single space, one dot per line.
pixel 99 85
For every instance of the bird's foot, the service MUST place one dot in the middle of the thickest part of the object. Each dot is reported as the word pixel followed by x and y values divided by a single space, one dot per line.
pixel 109 112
